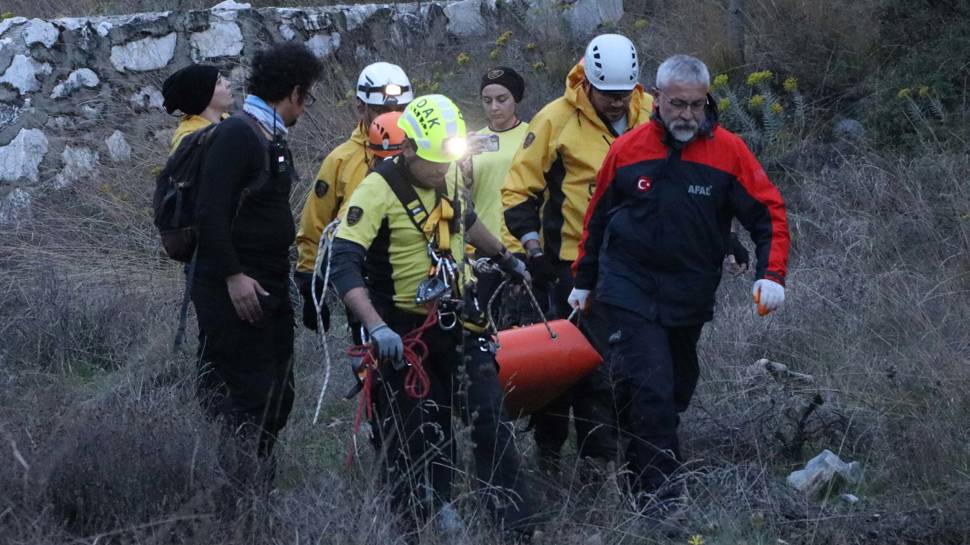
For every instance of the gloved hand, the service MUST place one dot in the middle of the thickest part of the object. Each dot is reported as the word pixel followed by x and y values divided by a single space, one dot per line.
pixel 578 299
pixel 304 283
pixel 390 347
pixel 768 295
pixel 541 267
pixel 513 267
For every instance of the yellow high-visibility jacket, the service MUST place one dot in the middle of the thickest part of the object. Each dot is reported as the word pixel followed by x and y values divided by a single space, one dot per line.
pixel 339 175
pixel 557 164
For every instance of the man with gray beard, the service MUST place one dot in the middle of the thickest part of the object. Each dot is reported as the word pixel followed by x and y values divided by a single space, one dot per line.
pixel 655 235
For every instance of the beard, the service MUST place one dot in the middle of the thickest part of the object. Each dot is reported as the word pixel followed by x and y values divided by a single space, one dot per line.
pixel 683 131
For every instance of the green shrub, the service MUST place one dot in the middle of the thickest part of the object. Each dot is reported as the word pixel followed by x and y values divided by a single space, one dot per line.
pixel 920 87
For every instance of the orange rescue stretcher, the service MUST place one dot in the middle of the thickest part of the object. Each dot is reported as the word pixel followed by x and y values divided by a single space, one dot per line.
pixel 536 367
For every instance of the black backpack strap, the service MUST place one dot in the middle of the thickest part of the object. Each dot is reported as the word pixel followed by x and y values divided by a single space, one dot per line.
pixel 186 299
pixel 406 194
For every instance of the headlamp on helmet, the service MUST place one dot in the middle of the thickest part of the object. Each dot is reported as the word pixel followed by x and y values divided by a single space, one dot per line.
pixel 456 146
pixel 437 128
pixel 384 83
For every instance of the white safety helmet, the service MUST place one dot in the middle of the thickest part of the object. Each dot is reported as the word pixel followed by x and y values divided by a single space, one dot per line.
pixel 384 84
pixel 611 63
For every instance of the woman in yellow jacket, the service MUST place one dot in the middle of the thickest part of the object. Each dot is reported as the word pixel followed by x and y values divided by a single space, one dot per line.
pixel 201 94
pixel 555 171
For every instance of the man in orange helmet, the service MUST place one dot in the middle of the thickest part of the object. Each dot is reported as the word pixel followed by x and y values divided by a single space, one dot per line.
pixel 384 138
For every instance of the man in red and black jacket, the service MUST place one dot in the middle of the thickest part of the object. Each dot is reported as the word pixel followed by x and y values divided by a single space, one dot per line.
pixel 656 233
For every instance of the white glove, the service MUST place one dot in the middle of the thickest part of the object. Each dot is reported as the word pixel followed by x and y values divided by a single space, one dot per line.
pixel 768 294
pixel 578 298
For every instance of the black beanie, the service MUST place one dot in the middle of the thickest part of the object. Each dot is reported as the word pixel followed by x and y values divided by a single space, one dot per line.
pixel 506 77
pixel 190 89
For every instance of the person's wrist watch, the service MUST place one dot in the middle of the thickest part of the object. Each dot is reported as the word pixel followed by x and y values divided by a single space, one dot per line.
pixel 534 251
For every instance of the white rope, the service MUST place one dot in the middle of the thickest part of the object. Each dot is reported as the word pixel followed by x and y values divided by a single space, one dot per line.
pixel 324 248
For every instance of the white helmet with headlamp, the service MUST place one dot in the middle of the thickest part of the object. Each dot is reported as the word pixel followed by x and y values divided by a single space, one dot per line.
pixel 384 84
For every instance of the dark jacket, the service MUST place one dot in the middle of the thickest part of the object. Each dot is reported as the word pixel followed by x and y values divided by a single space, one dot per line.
pixel 244 219
pixel 659 223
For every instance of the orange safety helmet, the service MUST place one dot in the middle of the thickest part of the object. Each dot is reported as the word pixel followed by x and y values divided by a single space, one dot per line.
pixel 385 137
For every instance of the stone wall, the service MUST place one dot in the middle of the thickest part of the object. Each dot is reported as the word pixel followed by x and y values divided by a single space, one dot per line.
pixel 80 93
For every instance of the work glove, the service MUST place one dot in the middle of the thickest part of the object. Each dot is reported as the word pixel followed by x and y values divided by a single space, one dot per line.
pixel 578 299
pixel 768 295
pixel 541 267
pixel 304 283
pixel 513 267
pixel 389 345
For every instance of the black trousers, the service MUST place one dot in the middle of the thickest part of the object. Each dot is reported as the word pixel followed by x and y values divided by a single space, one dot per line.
pixel 245 374
pixel 654 371
pixel 589 399
pixel 416 439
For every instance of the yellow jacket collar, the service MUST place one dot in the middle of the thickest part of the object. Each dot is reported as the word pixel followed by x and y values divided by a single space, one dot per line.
pixel 576 96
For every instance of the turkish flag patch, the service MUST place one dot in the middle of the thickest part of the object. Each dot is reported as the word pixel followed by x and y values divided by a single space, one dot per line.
pixel 643 184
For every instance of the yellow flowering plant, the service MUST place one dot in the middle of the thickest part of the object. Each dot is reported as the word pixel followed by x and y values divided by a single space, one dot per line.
pixel 766 111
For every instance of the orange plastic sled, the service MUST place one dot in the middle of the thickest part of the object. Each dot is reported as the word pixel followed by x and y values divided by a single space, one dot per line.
pixel 534 369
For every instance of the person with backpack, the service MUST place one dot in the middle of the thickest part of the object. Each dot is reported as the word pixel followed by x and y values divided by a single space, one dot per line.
pixel 201 93
pixel 381 87
pixel 240 288
pixel 398 263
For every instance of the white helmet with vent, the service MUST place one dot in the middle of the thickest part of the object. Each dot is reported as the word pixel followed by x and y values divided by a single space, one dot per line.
pixel 384 84
pixel 611 63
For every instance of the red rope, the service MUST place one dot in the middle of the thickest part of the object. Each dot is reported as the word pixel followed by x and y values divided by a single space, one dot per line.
pixel 417 383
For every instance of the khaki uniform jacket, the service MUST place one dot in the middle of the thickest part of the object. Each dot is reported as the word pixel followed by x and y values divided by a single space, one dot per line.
pixel 556 168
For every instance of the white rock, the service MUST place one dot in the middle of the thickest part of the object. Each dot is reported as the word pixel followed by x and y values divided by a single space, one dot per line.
pixel 465 18
pixel 40 31
pixel 230 4
pixel 323 45
pixel 7 24
pixel 357 15
pixel 118 148
pixel 15 208
pixel 73 23
pixel 287 32
pixel 22 73
pixel 823 471
pixel 8 113
pixel 21 157
pixel 103 28
pixel 146 98
pixel 6 53
pixel 83 77
pixel 850 499
pixel 145 54
pixel 220 40
pixel 78 163
pixel 585 17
